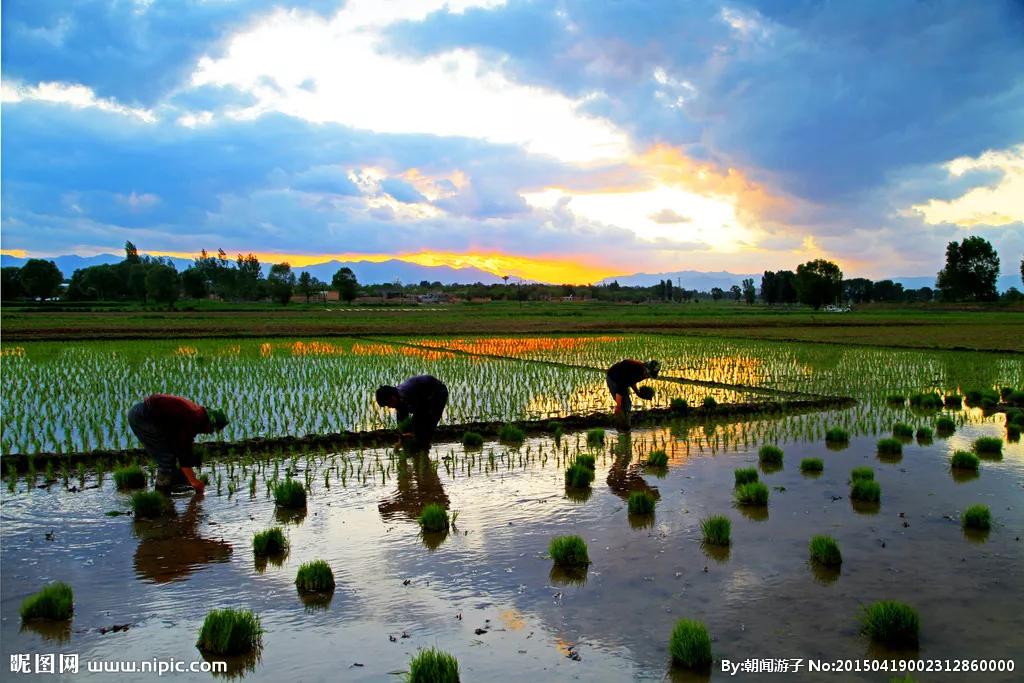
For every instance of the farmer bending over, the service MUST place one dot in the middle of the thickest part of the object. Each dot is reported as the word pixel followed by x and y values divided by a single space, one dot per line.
pixel 424 398
pixel 623 378
pixel 166 425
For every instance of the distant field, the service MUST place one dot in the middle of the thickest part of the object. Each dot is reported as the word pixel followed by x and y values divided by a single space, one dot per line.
pixel 929 327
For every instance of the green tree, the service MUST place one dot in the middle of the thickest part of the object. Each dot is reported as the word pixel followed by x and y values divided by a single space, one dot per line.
pixel 247 277
pixel 735 292
pixel 344 282
pixel 818 282
pixel 40 278
pixel 717 293
pixel 749 293
pixel 10 283
pixel 137 273
pixel 972 268
pixel 195 284
pixel 131 253
pixel 162 284
pixel 306 285
pixel 857 290
pixel 282 282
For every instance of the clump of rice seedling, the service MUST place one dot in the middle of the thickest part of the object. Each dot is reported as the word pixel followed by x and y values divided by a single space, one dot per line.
pixel 289 494
pixel 891 623
pixel 865 491
pixel 964 460
pixel 511 434
pixel 901 430
pixel 837 435
pixel 895 399
pixel 862 473
pixel 924 434
pixel 434 518
pixel 953 401
pixel 945 425
pixel 744 475
pixel 890 447
pixel 690 644
pixel 679 406
pixel 716 529
pixel 595 437
pixel 54 602
pixel 824 550
pixel 315 577
pixel 770 455
pixel 1016 398
pixel 433 666
pixel 230 632
pixel 1012 432
pixel 752 493
pixel 641 503
pixel 813 465
pixel 709 402
pixel 149 504
pixel 472 440
pixel 988 445
pixel 587 461
pixel 645 392
pixel 130 477
pixel 569 551
pixel 977 517
pixel 578 476
pixel 927 401
pixel 657 459
pixel 269 542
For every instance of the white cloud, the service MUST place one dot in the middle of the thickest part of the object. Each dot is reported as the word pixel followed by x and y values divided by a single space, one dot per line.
pixel 71 94
pixel 999 204
pixel 333 70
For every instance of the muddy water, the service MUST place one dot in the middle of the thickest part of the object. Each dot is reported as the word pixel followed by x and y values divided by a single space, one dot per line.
pixel 486 592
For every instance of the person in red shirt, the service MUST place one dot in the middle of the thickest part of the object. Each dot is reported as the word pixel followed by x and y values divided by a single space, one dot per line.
pixel 167 425
pixel 623 378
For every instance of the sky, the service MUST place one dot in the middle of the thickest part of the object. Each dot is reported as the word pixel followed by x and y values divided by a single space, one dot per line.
pixel 558 140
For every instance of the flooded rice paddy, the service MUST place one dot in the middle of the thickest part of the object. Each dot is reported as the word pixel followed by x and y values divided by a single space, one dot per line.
pixel 486 591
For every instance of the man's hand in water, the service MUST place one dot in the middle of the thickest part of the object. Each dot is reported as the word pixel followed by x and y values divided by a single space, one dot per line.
pixel 193 480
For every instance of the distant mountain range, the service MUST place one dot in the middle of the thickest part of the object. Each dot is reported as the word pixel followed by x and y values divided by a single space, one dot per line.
pixel 388 271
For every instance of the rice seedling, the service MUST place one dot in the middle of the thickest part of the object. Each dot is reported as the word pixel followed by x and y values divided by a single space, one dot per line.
pixel 472 440
pixel 862 474
pixel 641 503
pixel 744 475
pixel 54 602
pixel 770 455
pixel 924 435
pixel 511 434
pixel 837 435
pixel 269 542
pixel 433 666
pixel 230 632
pixel 716 530
pixel 901 430
pixel 658 458
pixel 926 401
pixel 891 623
pixel 824 550
pixel 709 403
pixel 586 460
pixel 945 426
pixel 896 399
pixel 1015 398
pixel 289 494
pixel 434 518
pixel 812 466
pixel 976 517
pixel 130 477
pixel 595 437
pixel 865 491
pixel 569 551
pixel 752 493
pixel 679 406
pixel 149 504
pixel 690 645
pixel 953 401
pixel 1012 432
pixel 315 577
pixel 891 447
pixel 988 445
pixel 578 476
pixel 964 460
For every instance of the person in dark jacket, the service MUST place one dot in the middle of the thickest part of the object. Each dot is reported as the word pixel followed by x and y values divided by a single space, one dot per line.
pixel 623 378
pixel 421 398
pixel 167 425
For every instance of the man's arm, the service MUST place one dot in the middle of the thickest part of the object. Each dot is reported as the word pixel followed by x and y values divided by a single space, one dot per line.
pixel 192 479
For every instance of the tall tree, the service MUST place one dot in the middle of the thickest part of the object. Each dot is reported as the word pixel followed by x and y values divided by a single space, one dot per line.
pixel 282 282
pixel 749 293
pixel 818 282
pixel 344 282
pixel 306 285
pixel 162 284
pixel 40 278
pixel 131 253
pixel 717 293
pixel 195 284
pixel 972 268
pixel 857 290
pixel 10 283
pixel 769 287
pixel 735 292
pixel 247 277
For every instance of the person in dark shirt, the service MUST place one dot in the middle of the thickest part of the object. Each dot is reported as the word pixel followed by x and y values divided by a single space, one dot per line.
pixel 623 378
pixel 167 425
pixel 423 398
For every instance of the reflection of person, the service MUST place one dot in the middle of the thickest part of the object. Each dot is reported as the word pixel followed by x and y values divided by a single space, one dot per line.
pixel 418 485
pixel 167 425
pixel 624 475
pixel 172 548
pixel 623 378
pixel 423 397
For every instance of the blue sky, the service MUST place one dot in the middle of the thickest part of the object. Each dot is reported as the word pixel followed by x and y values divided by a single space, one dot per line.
pixel 555 140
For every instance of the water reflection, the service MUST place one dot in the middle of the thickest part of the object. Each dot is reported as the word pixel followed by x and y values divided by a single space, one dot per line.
pixel 976 535
pixel 865 507
pixel 237 665
pixel 624 476
pixel 757 513
pixel 718 553
pixel 290 515
pixel 418 485
pixel 825 574
pixel 172 548
pixel 53 631
pixel 568 576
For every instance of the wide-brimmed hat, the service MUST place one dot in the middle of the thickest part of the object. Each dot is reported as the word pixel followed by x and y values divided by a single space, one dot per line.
pixel 218 420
